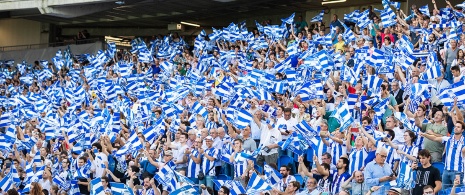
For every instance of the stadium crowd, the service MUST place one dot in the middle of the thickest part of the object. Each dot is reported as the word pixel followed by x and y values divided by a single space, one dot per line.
pixel 371 105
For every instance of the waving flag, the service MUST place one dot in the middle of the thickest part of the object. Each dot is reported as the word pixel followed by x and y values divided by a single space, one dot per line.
pixel 243 118
pixel 96 186
pixel 235 187
pixel 432 73
pixel 319 17
pixel 257 184
pixel 406 178
pixel 289 20
pixel 424 10
pixel 272 175
pixel 373 85
pixel 6 183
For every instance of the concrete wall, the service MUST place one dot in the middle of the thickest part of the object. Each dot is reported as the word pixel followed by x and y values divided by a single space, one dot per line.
pixel 22 32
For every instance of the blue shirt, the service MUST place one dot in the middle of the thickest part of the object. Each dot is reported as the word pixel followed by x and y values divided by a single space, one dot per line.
pixel 147 166
pixel 373 172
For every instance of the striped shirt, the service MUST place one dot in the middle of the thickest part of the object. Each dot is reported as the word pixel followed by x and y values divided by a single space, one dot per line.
pixel 193 168
pixel 453 153
pixel 240 165
pixel 410 150
pixel 321 148
pixel 357 159
pixel 337 150
pixel 207 164
pixel 337 181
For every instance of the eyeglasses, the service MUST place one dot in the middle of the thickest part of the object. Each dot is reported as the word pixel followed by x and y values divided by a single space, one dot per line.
pixel 383 156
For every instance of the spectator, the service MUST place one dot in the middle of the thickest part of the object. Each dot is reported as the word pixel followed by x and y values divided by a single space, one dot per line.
pixel 436 129
pixel 378 173
pixel 453 153
pixel 428 177
pixel 286 180
pixel 310 187
pixel 356 183
pixel 208 161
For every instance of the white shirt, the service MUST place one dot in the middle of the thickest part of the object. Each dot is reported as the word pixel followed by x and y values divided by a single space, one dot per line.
pixel 45 184
pixel 179 155
pixel 99 163
pixel 399 136
pixel 256 130
pixel 268 137
pixel 289 123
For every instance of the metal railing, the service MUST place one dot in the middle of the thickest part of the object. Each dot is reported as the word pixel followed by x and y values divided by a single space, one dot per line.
pixel 45 45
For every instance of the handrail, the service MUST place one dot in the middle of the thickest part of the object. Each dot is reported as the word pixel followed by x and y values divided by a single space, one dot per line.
pixel 45 45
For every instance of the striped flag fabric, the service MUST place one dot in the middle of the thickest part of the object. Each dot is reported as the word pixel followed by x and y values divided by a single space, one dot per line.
pixel 319 17
pixel 403 118
pixel 344 116
pixel 432 73
pixel 235 187
pixel 96 186
pixel 373 84
pixel 352 100
pixel 459 90
pixel 257 184
pixel 62 183
pixel 199 109
pixel 6 183
pixel 272 175
pixel 243 118
pixel 166 177
pixel 424 10
pixel 406 177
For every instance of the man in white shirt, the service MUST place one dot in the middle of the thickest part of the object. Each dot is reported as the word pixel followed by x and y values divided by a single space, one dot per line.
pixel 269 139
pixel 391 123
pixel 287 120
pixel 100 162
pixel 179 157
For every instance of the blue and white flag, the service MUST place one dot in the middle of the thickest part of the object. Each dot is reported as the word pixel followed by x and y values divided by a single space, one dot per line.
pixel 289 20
pixel 235 187
pixel 6 183
pixel 272 175
pixel 406 177
pixel 257 184
pixel 432 73
pixel 96 187
pixel 243 118
pixel 319 17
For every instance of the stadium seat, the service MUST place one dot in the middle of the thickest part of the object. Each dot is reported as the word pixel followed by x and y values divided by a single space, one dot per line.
pixel 285 160
pixel 223 177
pixel 300 179
pixel 440 166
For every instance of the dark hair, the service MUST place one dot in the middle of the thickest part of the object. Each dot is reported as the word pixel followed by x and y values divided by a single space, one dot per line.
pixel 98 146
pixel 326 166
pixel 391 133
pixel 296 184
pixel 287 110
pixel 366 118
pixel 12 192
pixel 412 135
pixel 135 168
pixel 346 162
pixel 456 68
pixel 462 123
pixel 425 153
pixel 225 189
pixel 185 134
pixel 427 187
pixel 105 178
pixel 287 167
pixel 239 140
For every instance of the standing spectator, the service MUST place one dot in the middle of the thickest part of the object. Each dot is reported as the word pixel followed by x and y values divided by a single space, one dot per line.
pixel 208 162
pixel 427 175
pixel 269 153
pixel 450 55
pixel 435 129
pixel 101 160
pixel 398 94
pixel 239 162
pixel 379 173
pixel 454 152
pixel 194 161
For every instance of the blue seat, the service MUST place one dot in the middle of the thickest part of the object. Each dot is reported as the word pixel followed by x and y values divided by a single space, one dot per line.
pixel 285 160
pixel 440 166
pixel 299 179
